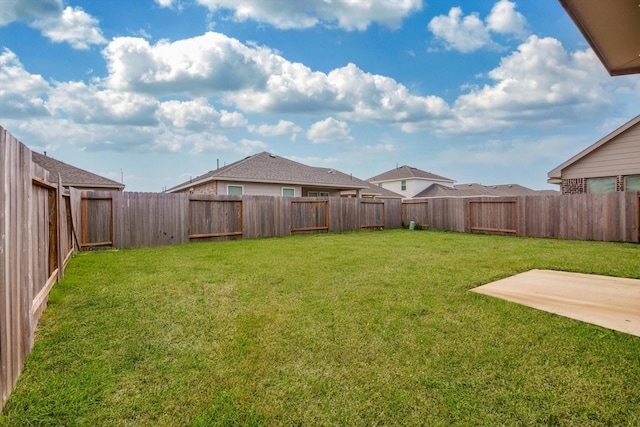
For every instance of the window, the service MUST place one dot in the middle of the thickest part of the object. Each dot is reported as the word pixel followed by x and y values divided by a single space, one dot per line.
pixel 403 185
pixel 323 194
pixel 288 192
pixel 234 190
pixel 312 193
pixel 317 194
pixel 632 183
pixel 601 185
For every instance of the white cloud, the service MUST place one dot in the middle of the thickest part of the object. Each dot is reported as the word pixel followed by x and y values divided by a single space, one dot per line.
pixel 283 127
pixel 257 79
pixel 209 64
pixel 464 34
pixel 206 142
pixel 469 33
pixel 347 14
pixel 165 3
pixel 537 85
pixel 73 26
pixel 330 131
pixel 26 10
pixel 380 148
pixel 83 103
pixel 21 93
pixel 504 19
pixel 198 115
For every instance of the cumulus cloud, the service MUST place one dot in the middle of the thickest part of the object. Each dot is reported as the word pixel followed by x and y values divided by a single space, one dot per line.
pixel 204 143
pixel 347 14
pixel 504 19
pixel 283 127
pixel 84 103
pixel 198 115
pixel 470 33
pixel 330 131
pixel 21 93
pixel 73 26
pixel 26 10
pixel 210 64
pixel 257 79
pixel 538 84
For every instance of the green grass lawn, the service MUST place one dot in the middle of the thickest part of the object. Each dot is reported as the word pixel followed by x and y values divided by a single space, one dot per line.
pixel 334 329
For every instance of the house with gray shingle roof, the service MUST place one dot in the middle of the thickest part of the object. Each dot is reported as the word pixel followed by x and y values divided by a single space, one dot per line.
pixel 72 176
pixel 270 175
pixel 409 181
pixel 476 190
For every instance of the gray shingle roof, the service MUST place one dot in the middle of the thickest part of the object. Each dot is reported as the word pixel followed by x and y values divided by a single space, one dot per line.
pixel 407 172
pixel 266 167
pixel 72 176
pixel 475 190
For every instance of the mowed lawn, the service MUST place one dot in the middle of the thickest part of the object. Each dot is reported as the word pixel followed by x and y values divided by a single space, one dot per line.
pixel 369 328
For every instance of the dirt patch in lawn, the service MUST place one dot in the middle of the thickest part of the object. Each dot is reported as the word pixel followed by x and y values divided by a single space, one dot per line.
pixel 610 302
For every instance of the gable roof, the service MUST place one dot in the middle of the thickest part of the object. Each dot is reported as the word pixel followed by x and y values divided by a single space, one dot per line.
pixel 475 190
pixel 375 191
pixel 72 176
pixel 555 175
pixel 407 172
pixel 269 168
pixel 612 30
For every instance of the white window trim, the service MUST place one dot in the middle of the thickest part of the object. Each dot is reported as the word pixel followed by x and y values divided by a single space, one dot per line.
pixel 235 185
pixel 288 188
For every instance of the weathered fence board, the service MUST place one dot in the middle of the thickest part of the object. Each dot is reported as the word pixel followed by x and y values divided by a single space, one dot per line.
pixel 35 240
pixel 610 217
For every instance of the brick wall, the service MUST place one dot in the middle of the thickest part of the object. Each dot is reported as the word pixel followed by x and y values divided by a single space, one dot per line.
pixel 209 188
pixel 574 186
pixel 579 185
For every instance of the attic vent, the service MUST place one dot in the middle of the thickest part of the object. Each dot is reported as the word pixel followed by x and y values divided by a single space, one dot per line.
pixel 331 171
pixel 272 156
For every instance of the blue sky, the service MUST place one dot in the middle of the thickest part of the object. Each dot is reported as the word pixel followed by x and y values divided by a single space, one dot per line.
pixel 157 91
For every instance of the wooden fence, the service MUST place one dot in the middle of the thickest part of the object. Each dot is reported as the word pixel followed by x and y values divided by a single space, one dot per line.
pixel 125 220
pixel 36 241
pixel 611 217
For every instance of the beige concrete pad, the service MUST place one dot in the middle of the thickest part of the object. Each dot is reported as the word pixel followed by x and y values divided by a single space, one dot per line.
pixel 610 302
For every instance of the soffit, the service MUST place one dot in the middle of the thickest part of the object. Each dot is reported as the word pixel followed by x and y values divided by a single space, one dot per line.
pixel 612 28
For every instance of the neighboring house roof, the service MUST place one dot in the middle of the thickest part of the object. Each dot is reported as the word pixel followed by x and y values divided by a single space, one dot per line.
pixel 268 168
pixel 407 172
pixel 612 29
pixel 555 175
pixel 376 192
pixel 475 190
pixel 72 176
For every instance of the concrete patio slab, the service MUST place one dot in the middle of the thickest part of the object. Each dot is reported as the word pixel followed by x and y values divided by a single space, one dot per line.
pixel 610 302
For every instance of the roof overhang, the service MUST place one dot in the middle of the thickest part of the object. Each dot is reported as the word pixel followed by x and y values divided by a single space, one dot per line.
pixel 196 183
pixel 612 28
pixel 555 175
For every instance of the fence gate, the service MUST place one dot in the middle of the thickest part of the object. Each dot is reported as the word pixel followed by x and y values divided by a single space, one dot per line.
pixel 493 216
pixel 214 218
pixel 372 214
pixel 309 215
pixel 98 231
